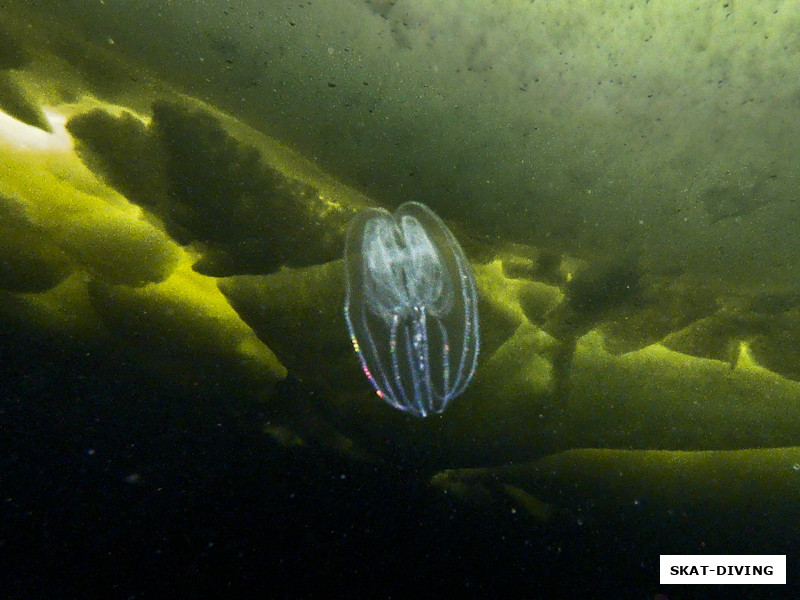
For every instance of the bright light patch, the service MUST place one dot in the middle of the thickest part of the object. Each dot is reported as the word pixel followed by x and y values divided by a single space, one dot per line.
pixel 27 137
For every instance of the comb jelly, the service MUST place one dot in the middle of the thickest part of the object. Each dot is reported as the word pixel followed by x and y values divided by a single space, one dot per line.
pixel 411 307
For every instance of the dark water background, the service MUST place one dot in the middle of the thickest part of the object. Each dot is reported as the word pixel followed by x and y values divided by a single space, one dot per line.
pixel 112 489
pixel 115 489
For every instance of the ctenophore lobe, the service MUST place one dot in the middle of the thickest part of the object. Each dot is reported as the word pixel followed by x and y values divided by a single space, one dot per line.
pixel 411 307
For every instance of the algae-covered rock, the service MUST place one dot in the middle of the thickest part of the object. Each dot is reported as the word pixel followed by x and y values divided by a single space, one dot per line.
pixel 297 312
pixel 29 260
pixel 184 328
pixel 777 345
pixel 94 226
pixel 15 101
pixel 523 402
pixel 702 497
pixel 64 314
pixel 529 398
pixel 211 189
pixel 121 150
pixel 117 249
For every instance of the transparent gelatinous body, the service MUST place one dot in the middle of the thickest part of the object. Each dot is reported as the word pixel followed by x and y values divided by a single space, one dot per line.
pixel 411 307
